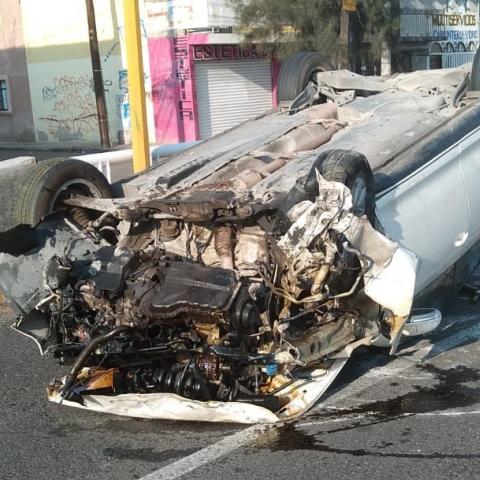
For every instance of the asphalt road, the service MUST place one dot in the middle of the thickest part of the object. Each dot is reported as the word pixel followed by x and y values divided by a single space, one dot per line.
pixel 413 416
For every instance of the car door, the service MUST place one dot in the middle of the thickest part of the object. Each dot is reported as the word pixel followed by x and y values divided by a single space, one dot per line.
pixel 427 212
pixel 469 149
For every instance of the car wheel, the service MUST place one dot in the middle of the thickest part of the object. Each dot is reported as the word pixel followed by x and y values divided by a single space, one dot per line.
pixel 38 190
pixel 352 169
pixel 295 74
pixel 475 76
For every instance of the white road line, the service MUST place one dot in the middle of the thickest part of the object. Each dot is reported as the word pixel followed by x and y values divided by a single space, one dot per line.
pixel 402 415
pixel 376 375
pixel 208 454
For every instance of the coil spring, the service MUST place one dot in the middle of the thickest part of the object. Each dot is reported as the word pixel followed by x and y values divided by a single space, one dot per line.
pixel 182 382
pixel 80 216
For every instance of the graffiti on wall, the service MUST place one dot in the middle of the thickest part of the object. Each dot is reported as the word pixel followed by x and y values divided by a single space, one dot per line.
pixel 73 113
pixel 163 87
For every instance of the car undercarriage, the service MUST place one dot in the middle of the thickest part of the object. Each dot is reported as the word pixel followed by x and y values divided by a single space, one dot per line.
pixel 226 289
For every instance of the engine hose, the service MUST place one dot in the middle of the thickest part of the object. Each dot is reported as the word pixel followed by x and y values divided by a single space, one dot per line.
pixel 367 267
pixel 86 352
pixel 80 216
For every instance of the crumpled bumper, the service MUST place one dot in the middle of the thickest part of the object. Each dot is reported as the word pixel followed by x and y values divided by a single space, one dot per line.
pixel 304 393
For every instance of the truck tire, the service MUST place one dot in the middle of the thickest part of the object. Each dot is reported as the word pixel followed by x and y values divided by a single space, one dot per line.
pixel 295 74
pixel 353 170
pixel 32 192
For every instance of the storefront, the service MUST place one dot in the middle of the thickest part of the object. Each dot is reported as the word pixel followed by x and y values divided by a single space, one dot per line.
pixel 201 86
pixel 431 37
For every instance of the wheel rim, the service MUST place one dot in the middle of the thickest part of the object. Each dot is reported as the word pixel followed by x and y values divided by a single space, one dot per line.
pixel 81 185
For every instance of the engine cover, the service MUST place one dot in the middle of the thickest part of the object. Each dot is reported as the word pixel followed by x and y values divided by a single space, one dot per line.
pixel 192 289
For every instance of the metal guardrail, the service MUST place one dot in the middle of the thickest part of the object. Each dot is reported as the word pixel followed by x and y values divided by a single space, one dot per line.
pixel 454 59
pixel 442 60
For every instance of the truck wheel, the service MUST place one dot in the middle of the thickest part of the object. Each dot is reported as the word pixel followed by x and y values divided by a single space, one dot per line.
pixel 38 190
pixel 352 169
pixel 295 74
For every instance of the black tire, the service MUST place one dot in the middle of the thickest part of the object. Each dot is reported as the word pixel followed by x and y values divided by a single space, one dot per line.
pixel 352 169
pixel 295 74
pixel 475 76
pixel 10 184
pixel 33 192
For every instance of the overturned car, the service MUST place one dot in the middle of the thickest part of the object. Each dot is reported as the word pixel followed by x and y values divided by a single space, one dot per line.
pixel 232 281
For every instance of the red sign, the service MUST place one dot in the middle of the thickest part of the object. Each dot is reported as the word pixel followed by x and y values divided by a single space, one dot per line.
pixel 229 52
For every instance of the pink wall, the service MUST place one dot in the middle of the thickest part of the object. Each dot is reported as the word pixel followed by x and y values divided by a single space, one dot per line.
pixel 173 87
pixel 165 90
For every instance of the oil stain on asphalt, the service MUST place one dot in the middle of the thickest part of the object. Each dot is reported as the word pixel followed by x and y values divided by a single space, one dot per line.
pixel 451 391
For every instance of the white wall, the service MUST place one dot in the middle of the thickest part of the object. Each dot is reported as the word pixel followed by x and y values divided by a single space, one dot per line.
pixel 220 13
pixel 165 15
pixel 60 72
pixel 174 15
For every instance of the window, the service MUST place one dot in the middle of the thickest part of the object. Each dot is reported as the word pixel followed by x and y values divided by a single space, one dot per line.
pixel 4 103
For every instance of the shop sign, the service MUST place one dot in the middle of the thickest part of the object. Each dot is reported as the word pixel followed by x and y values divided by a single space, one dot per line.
pixel 349 5
pixel 455 26
pixel 229 52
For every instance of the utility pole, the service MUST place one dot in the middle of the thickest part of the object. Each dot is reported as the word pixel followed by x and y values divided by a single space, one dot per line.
pixel 345 39
pixel 136 86
pixel 347 7
pixel 386 60
pixel 97 76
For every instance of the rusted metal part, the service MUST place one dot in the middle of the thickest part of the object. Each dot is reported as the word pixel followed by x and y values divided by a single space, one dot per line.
pixel 324 269
pixel 396 324
pixel 327 339
pixel 224 244
pixel 80 216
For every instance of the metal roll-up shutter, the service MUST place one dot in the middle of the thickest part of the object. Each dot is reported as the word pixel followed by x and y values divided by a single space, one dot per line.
pixel 230 92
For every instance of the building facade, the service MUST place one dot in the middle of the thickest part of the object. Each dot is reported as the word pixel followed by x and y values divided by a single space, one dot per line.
pixel 16 116
pixel 199 78
pixel 203 80
pixel 436 33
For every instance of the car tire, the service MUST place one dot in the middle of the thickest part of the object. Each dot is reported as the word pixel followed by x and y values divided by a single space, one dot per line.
pixel 475 74
pixel 33 192
pixel 352 170
pixel 10 183
pixel 295 74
